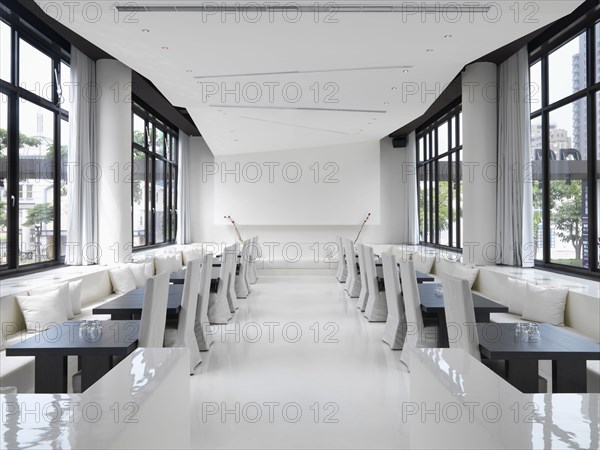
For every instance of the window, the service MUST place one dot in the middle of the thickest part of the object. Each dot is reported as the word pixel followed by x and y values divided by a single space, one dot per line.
pixel 154 179
pixel 32 128
pixel 439 169
pixel 564 144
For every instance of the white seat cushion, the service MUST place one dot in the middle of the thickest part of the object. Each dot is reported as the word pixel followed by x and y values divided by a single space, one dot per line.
pixel 513 294
pixel 138 270
pixel 122 279
pixel 545 304
pixel 63 294
pixel 466 273
pixel 168 263
pixel 42 311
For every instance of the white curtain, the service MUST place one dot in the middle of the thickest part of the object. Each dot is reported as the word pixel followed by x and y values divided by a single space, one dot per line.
pixel 409 171
pixel 82 225
pixel 184 232
pixel 514 213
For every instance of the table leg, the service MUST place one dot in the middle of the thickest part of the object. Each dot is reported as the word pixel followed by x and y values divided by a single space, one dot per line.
pixel 523 374
pixel 50 374
pixel 569 376
pixel 93 368
pixel 442 329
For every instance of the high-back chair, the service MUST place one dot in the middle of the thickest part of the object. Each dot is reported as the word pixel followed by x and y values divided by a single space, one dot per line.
pixel 376 309
pixel 183 335
pixel 154 311
pixel 201 324
pixel 342 269
pixel 395 325
pixel 417 335
pixel 252 275
pixel 361 303
pixel 242 286
pixel 218 304
pixel 353 279
pixel 231 253
pixel 460 315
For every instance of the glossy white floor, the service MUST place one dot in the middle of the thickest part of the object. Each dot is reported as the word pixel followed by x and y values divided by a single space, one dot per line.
pixel 265 385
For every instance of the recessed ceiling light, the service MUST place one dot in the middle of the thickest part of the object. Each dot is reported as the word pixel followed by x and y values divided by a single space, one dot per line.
pixel 394 88
pixel 405 71
pixel 448 36
pixel 188 71
pixel 233 131
pixel 386 103
pixel 145 30
pixel 429 50
pixel 236 140
pixel 165 48
pixel 369 123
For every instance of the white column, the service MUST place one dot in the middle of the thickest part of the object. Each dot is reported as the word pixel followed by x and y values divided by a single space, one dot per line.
pixel 114 158
pixel 479 91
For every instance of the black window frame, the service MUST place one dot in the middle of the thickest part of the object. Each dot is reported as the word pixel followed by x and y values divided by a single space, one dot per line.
pixel 171 164
pixel 428 172
pixel 539 51
pixel 26 28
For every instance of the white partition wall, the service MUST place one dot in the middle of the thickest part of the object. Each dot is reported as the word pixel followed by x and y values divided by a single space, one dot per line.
pixel 479 91
pixel 114 160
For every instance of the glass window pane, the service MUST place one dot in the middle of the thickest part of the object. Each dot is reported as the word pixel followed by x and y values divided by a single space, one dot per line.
pixel 3 180
pixel 567 69
pixel 597 52
pixel 597 161
pixel 139 127
pixel 535 86
pixel 173 189
pixel 159 137
pixel 159 198
pixel 421 152
pixel 460 126
pixel 459 196
pixel 537 188
pixel 64 190
pixel 443 199
pixel 568 183
pixel 442 138
pixel 5 52
pixel 421 180
pixel 36 168
pixel 35 70
pixel 67 92
pixel 139 198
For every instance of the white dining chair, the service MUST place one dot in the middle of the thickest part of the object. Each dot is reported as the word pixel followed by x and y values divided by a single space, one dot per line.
pixel 460 315
pixel 231 253
pixel 202 324
pixel 361 303
pixel 417 335
pixel 376 309
pixel 252 275
pixel 242 286
pixel 353 279
pixel 218 303
pixel 342 269
pixel 154 311
pixel 395 325
pixel 183 334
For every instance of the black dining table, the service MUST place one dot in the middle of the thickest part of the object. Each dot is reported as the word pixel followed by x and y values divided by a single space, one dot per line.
pixel 52 346
pixel 567 350
pixel 433 305
pixel 129 306
pixel 179 278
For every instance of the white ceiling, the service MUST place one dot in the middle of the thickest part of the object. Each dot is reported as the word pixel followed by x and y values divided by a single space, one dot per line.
pixel 210 46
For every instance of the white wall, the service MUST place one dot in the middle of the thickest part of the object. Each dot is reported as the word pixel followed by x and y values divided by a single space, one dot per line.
pixel 114 159
pixel 479 108
pixel 389 230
